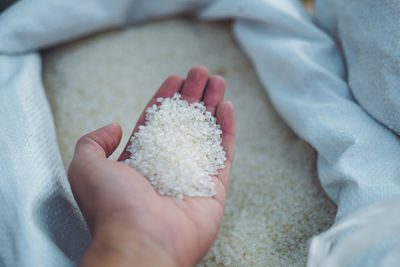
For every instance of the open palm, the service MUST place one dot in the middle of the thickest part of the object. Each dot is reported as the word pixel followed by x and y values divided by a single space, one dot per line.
pixel 111 190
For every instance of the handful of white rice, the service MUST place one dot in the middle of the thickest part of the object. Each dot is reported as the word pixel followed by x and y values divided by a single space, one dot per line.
pixel 178 149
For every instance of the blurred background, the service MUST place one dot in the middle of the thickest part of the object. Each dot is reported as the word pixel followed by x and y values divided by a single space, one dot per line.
pixel 274 202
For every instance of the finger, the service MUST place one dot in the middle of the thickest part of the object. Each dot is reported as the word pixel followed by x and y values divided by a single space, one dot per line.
pixel 170 86
pixel 101 142
pixel 226 120
pixel 214 93
pixel 195 83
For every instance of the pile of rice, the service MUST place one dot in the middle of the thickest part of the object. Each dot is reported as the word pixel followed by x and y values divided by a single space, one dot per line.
pixel 178 149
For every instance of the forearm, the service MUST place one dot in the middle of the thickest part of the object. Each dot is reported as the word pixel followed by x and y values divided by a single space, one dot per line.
pixel 115 244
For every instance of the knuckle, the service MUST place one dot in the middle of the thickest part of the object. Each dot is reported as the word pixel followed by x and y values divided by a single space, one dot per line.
pixel 83 142
pixel 175 77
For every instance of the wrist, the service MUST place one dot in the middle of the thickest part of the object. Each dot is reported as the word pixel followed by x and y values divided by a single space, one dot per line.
pixel 119 244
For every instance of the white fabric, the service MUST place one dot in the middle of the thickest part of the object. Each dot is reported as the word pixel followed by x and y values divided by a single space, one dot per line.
pixel 39 220
pixel 300 66
pixel 375 226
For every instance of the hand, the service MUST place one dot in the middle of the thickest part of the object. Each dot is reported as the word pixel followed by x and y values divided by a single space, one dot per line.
pixel 128 219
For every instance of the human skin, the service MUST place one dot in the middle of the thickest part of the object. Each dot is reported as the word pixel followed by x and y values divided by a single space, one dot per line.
pixel 131 224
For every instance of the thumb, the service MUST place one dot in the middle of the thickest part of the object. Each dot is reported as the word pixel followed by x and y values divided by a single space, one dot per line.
pixel 101 142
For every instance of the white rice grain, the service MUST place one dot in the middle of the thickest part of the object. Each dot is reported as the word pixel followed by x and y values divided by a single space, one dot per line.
pixel 178 149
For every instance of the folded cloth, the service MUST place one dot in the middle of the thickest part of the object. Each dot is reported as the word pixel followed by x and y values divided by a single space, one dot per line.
pixel 302 70
pixel 300 65
pixel 372 230
pixel 369 34
pixel 40 223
